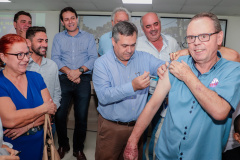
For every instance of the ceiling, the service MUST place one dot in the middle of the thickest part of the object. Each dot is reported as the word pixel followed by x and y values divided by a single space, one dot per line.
pixel 219 7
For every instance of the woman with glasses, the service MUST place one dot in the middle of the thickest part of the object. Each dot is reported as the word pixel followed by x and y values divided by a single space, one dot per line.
pixel 24 99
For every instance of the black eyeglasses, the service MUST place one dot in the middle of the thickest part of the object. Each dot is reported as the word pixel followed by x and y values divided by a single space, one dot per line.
pixel 202 37
pixel 20 56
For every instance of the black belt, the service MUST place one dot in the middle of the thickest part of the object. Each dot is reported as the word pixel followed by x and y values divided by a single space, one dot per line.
pixel 33 130
pixel 132 123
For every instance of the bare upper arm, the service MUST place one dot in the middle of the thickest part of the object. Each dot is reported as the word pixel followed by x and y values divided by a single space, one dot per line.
pixel 161 90
pixel 230 54
pixel 7 109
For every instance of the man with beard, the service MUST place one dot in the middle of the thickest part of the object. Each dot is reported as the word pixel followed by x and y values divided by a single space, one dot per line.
pixel 38 42
pixel 22 21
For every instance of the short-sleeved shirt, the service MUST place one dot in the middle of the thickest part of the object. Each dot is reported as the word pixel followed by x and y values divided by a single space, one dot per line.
pixel 32 145
pixel 188 131
pixel 105 43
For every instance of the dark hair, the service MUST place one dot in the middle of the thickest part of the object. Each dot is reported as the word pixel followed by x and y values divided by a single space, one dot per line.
pixel 210 15
pixel 16 16
pixel 67 9
pixel 33 30
pixel 7 41
pixel 124 28
pixel 237 124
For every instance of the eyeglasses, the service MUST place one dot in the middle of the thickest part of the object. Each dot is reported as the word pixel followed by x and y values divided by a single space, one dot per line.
pixel 20 56
pixel 202 37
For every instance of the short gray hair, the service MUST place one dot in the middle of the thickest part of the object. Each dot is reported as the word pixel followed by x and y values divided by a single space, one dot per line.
pixel 120 9
pixel 141 23
pixel 124 28
pixel 210 15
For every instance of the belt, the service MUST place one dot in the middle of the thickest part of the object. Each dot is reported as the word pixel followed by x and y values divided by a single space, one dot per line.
pixel 33 130
pixel 132 123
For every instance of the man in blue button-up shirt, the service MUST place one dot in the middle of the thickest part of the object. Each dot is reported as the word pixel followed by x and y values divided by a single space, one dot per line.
pixel 121 81
pixel 204 91
pixel 74 51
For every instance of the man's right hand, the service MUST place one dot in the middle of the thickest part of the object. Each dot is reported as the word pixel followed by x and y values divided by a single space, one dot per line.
pixel 141 82
pixel 162 70
pixel 130 152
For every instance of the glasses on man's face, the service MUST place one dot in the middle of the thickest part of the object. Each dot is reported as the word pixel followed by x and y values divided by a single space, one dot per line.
pixel 202 37
pixel 20 56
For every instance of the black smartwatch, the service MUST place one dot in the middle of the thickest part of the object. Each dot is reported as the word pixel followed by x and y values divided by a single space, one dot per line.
pixel 81 69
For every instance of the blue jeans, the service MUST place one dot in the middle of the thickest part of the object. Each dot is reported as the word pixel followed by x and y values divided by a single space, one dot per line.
pixel 80 93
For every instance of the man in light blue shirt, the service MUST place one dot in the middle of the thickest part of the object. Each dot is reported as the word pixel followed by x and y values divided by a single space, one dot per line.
pixel 75 52
pixel 121 81
pixel 105 43
pixel 204 91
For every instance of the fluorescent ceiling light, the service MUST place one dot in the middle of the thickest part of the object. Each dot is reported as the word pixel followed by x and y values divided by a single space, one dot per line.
pixel 137 1
pixel 5 1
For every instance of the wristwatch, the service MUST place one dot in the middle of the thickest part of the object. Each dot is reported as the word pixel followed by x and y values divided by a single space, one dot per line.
pixel 81 69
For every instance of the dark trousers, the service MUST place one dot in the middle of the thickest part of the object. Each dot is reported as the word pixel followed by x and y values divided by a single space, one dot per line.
pixel 112 139
pixel 80 93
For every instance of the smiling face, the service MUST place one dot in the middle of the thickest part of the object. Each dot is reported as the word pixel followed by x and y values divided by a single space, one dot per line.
pixel 151 27
pixel 204 52
pixel 12 62
pixel 124 47
pixel 39 43
pixel 70 22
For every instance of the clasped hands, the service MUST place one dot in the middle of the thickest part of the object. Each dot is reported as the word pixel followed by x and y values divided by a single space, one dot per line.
pixel 74 76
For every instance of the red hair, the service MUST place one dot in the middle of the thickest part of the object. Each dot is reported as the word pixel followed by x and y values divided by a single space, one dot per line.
pixel 7 41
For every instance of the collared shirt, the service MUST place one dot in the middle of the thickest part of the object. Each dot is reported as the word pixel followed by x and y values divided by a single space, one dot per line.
pixel 169 45
pixel 49 71
pixel 74 51
pixel 105 43
pixel 188 131
pixel 113 84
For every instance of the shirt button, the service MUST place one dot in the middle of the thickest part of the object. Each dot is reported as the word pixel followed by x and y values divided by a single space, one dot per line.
pixel 184 138
pixel 190 112
pixel 185 127
pixel 185 133
pixel 192 107
pixel 180 158
pixel 181 153
pixel 193 101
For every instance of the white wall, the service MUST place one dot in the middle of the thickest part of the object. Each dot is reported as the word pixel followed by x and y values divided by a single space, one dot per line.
pixel 232 38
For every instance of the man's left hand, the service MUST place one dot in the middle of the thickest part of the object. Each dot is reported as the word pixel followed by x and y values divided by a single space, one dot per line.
pixel 180 70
